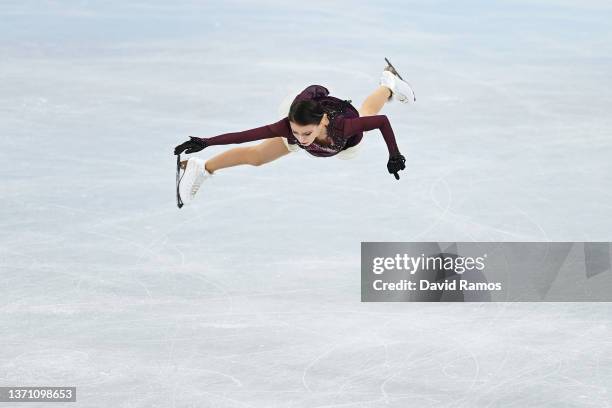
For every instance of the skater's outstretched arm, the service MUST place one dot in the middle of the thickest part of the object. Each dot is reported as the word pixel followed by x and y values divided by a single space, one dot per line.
pixel 195 144
pixel 396 162
pixel 262 132
pixel 352 126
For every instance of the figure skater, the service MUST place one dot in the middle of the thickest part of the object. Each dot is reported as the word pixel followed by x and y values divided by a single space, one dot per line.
pixel 318 123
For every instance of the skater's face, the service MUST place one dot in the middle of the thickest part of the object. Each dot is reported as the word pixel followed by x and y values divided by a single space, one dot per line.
pixel 306 134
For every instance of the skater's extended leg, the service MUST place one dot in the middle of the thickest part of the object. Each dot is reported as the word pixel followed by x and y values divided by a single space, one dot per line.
pixel 198 170
pixel 264 152
pixel 375 101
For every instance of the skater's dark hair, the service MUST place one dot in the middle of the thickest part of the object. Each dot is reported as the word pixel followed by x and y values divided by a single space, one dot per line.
pixel 306 112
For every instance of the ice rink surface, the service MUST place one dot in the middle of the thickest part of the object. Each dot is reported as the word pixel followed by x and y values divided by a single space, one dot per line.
pixel 251 297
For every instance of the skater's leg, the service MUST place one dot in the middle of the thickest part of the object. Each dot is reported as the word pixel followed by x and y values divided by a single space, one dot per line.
pixel 375 101
pixel 264 152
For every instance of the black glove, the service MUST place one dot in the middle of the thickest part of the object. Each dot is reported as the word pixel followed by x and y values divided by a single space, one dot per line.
pixel 194 144
pixel 395 164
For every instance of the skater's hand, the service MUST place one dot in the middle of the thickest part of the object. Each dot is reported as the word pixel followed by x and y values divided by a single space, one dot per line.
pixel 395 164
pixel 194 144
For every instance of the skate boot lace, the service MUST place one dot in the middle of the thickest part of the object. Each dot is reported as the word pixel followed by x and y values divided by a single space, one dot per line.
pixel 198 182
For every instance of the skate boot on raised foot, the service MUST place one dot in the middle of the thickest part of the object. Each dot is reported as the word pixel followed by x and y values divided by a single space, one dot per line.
pixel 400 90
pixel 191 180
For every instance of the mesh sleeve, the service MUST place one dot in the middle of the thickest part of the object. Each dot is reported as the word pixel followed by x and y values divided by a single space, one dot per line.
pixel 280 128
pixel 365 123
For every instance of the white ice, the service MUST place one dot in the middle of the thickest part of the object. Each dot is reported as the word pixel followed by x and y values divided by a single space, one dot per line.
pixel 250 297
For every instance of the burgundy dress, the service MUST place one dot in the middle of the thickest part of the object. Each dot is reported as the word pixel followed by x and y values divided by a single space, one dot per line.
pixel 345 127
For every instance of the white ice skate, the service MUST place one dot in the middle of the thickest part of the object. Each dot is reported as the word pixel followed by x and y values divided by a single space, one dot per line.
pixel 192 178
pixel 400 90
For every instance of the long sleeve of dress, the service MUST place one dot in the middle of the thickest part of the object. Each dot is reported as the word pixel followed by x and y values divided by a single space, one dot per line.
pixel 279 128
pixel 356 125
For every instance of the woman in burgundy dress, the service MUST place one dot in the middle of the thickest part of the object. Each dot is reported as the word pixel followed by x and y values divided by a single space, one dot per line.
pixel 318 123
